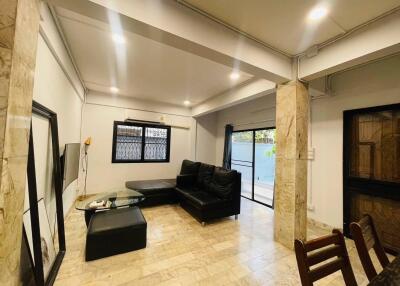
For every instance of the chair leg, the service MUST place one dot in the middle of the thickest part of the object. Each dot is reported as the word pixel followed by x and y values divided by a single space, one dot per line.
pixel 236 217
pixel 203 223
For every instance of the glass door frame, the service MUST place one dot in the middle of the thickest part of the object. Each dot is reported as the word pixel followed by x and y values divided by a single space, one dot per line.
pixel 253 130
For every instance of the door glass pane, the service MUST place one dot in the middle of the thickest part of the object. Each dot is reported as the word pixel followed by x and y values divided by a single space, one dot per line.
pixel 375 146
pixel 242 159
pixel 264 166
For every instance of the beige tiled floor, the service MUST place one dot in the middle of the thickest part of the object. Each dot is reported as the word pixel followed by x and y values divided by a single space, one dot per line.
pixel 182 252
pixel 262 192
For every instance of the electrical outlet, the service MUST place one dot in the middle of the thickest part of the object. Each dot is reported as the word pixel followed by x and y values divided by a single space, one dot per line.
pixel 311 154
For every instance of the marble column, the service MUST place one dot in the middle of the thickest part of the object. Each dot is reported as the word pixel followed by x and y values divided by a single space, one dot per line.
pixel 290 220
pixel 19 26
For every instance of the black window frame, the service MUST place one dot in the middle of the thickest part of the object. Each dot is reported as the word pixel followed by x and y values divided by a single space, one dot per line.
pixel 143 126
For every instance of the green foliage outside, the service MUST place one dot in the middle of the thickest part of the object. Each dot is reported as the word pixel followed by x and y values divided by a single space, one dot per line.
pixel 242 137
pixel 271 152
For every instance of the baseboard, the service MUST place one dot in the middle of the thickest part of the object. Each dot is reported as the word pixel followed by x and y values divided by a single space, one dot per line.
pixel 321 225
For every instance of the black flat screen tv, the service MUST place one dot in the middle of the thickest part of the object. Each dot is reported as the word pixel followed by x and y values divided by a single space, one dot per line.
pixel 70 163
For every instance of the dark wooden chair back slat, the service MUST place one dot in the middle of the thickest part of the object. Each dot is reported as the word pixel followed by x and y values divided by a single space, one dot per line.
pixel 326 269
pixel 321 242
pixel 365 238
pixel 329 252
pixel 367 231
pixel 330 249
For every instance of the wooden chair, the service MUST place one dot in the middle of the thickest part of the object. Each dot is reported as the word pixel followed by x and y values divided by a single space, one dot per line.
pixel 365 238
pixel 330 247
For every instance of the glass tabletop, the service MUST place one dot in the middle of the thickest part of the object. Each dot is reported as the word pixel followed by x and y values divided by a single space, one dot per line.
pixel 110 200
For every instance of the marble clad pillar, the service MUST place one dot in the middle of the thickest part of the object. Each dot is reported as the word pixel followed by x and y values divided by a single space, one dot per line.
pixel 290 220
pixel 19 26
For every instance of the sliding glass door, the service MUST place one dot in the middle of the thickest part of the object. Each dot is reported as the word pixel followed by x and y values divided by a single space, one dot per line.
pixel 242 160
pixel 253 154
pixel 264 166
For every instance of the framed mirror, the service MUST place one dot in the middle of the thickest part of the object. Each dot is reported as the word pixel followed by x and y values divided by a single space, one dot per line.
pixel 43 210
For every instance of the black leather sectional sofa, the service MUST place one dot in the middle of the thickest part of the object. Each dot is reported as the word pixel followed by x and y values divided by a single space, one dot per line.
pixel 208 192
pixel 205 191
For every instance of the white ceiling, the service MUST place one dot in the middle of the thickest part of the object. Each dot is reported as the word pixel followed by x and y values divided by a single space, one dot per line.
pixel 141 68
pixel 147 69
pixel 283 24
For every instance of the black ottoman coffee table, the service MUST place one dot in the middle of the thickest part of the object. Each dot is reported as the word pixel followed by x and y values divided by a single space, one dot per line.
pixel 115 231
pixel 107 201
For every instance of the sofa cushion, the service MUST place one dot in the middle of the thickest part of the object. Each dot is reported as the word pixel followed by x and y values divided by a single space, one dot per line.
pixel 204 175
pixel 206 200
pixel 156 192
pixel 189 167
pixel 151 185
pixel 222 183
pixel 183 191
pixel 185 181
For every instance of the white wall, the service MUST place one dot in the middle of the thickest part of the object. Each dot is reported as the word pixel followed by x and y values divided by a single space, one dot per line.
pixel 371 85
pixel 192 138
pixel 99 115
pixel 258 113
pixel 374 84
pixel 206 138
pixel 56 88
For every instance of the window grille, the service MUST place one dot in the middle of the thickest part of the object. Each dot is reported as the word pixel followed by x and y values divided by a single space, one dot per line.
pixel 138 142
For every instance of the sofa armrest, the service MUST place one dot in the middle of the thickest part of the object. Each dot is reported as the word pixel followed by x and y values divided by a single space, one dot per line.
pixel 237 192
pixel 185 180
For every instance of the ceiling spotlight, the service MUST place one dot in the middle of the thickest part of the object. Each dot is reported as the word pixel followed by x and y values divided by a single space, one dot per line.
pixel 114 89
pixel 186 102
pixel 118 38
pixel 234 75
pixel 317 13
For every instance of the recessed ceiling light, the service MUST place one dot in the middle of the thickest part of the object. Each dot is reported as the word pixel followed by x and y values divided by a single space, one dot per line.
pixel 114 89
pixel 234 75
pixel 186 102
pixel 118 38
pixel 317 13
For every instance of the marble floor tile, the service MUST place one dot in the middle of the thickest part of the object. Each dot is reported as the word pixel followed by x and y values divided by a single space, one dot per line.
pixel 182 252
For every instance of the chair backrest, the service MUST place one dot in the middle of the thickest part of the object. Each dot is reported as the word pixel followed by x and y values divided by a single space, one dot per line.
pixel 312 258
pixel 365 238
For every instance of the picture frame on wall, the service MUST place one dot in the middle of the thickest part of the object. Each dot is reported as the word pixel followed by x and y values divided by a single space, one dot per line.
pixel 45 258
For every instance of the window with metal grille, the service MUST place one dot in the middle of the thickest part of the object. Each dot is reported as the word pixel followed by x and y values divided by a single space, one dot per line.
pixel 140 142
